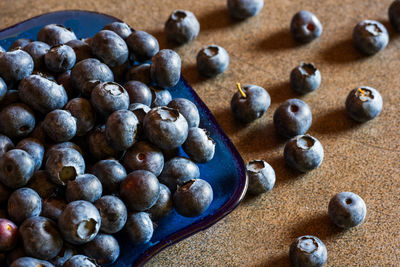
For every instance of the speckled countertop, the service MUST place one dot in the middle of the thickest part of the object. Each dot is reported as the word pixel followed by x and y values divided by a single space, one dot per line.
pixel 363 158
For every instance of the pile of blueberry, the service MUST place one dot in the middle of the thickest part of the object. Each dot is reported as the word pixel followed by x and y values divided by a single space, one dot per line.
pixel 89 143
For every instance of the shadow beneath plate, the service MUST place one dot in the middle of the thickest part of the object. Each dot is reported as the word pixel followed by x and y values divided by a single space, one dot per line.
pixel 281 40
pixel 333 121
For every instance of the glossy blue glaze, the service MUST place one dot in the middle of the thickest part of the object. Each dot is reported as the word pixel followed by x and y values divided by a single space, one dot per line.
pixel 225 172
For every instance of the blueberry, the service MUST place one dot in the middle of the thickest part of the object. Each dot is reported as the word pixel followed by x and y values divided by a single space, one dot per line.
pixel 41 94
pixel 16 168
pixel 5 144
pixel 10 97
pixel 15 66
pixel 363 103
pixel 64 79
pixel 41 238
pixel 62 145
pixel 370 37
pixel 4 195
pixel 86 74
pixel 37 50
pixel 82 49
pixel 394 14
pixel 79 261
pixel 113 214
pixel 138 92
pixel 140 73
pixel 60 58
pixel 53 34
pixel 212 60
pixel 142 45
pixel 139 227
pixel 293 117
pixel 8 235
pixel 144 156
pixel 121 129
pixel 17 120
pixel 303 153
pixel 98 145
pixel 30 262
pixel 82 111
pixel 110 48
pixel 199 146
pixel 104 249
pixel 60 125
pixel 242 9
pixel 160 97
pixel 305 78
pixel 24 203
pixel 109 97
pixel 163 205
pixel 305 27
pixel 64 164
pixel 19 44
pixel 110 173
pixel 178 171
pixel 140 110
pixel 140 190
pixel 65 254
pixel 165 69
pixel 347 209
pixel 53 207
pixel 193 198
pixel 165 127
pixel 182 26
pixel 34 148
pixel 120 72
pixel 3 89
pixel 308 251
pixel 80 222
pixel 84 187
pixel 261 177
pixel 188 109
pixel 250 103
pixel 120 28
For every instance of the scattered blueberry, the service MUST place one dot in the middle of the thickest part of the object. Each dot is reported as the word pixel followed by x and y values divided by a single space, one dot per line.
pixel 8 235
pixel 17 120
pixel 110 48
pixel 242 9
pixel 305 27
pixel 142 45
pixel 60 58
pixel 163 205
pixel 103 248
pixel 182 26
pixel 261 177
pixel 139 227
pixel 363 103
pixel 34 148
pixel 347 209
pixel 199 146
pixel 308 251
pixel 109 97
pixel 60 125
pixel 110 173
pixel 188 109
pixel 82 111
pixel 16 168
pixel 54 34
pixel 120 28
pixel 37 50
pixel 84 187
pixel 113 214
pixel 370 37
pixel 165 69
pixel 15 66
pixel 305 78
pixel 212 60
pixel 24 203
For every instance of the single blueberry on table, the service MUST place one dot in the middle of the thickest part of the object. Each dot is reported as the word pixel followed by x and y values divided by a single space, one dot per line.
pixel 82 49
pixel 37 50
pixel 60 125
pixel 293 117
pixel 84 187
pixel 182 26
pixel 41 94
pixel 34 148
pixel 140 73
pixel 199 146
pixel 303 153
pixel 54 34
pixel 163 205
pixel 394 14
pixel 79 222
pixel 79 261
pixel 23 204
pixel 178 171
pixel 165 69
pixel 86 74
pixel 308 251
pixel 347 209
pixel 138 92
pixel 110 173
pixel 17 120
pixel 120 28
pixel 212 60
pixel 370 37
pixel 144 156
pixel 139 227
pixel 15 66
pixel 193 198
pixel 305 78
pixel 98 145
pixel 60 58
pixel 250 103
pixel 142 45
pixel 110 48
pixel 5 144
pixel 242 9
pixel 188 109
pixel 165 127
pixel 8 235
pixel 30 262
pixel 121 129
pixel 41 238
pixel 16 168
pixel 160 97
pixel 103 248
pixel 140 190
pixel 19 44
pixel 81 109
pixel 113 214
pixel 261 177
pixel 363 103
pixel 305 27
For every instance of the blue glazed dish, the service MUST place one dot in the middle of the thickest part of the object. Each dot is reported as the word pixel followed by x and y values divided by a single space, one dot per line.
pixel 225 172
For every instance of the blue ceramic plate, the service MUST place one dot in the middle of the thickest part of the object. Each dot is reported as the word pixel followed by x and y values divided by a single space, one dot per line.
pixel 225 172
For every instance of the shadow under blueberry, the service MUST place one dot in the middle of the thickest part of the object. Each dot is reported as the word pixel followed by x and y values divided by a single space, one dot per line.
pixel 281 261
pixel 227 122
pixel 393 34
pixel 209 22
pixel 333 121
pixel 163 42
pixel 192 75
pixel 342 52
pixel 281 92
pixel 281 40
pixel 283 172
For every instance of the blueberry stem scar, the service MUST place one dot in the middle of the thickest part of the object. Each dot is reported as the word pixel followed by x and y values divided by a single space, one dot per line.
pixel 240 90
pixel 361 91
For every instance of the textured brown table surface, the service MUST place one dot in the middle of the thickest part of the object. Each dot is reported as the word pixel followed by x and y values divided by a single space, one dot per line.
pixel 363 158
